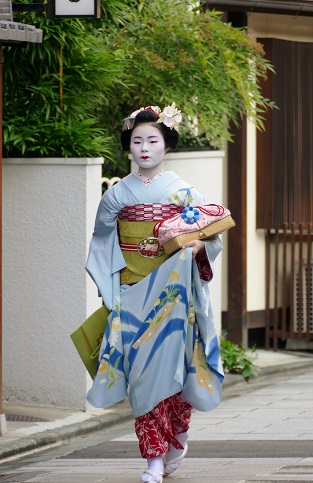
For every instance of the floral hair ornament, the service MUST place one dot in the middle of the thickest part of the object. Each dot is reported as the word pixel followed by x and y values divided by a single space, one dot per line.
pixel 128 122
pixel 170 116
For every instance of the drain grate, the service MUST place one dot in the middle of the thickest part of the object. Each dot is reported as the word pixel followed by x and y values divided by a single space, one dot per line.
pixel 23 418
pixel 7 476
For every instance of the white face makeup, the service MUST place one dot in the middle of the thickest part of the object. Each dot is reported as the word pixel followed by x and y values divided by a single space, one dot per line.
pixel 147 146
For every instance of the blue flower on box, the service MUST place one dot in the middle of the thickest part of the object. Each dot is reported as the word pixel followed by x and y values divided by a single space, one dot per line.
pixel 190 214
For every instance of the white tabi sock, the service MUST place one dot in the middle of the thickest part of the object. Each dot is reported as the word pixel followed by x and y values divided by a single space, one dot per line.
pixel 171 463
pixel 154 471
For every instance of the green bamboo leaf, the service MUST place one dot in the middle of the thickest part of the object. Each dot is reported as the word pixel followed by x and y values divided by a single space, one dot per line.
pixel 117 362
pixel 112 65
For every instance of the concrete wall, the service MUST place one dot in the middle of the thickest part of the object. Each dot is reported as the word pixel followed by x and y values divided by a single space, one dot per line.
pixel 204 171
pixel 49 208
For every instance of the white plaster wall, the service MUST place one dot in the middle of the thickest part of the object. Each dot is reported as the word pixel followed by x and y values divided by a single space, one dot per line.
pixel 255 238
pixel 287 27
pixel 225 236
pixel 49 208
pixel 204 171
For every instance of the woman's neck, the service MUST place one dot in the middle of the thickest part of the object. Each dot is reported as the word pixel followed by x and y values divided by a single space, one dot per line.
pixel 151 172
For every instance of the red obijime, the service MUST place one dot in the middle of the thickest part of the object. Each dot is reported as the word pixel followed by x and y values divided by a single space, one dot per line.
pixel 157 212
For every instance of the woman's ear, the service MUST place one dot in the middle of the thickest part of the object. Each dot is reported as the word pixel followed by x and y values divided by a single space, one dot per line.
pixel 167 149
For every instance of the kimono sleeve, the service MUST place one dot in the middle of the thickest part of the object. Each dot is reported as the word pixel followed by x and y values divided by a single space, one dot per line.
pixel 213 246
pixel 105 256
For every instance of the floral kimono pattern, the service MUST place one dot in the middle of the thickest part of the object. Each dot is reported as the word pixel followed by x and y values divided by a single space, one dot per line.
pixel 160 338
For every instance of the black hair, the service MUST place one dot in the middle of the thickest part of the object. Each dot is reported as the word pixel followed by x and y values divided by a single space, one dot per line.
pixel 147 116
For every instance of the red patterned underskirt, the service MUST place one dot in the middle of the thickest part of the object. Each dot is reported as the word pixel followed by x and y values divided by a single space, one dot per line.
pixel 158 429
pixel 149 212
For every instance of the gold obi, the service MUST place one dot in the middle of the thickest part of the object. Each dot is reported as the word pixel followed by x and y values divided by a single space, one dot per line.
pixel 140 250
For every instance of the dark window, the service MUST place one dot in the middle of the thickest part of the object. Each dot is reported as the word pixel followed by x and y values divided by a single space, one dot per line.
pixel 285 150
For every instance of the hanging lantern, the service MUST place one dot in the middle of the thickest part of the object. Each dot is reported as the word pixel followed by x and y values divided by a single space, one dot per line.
pixel 75 8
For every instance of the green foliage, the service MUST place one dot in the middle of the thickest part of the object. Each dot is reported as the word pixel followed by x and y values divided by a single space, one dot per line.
pixel 68 95
pixel 54 92
pixel 209 68
pixel 236 359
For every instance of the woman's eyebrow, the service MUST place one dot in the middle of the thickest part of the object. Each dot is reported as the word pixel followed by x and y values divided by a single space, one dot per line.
pixel 140 137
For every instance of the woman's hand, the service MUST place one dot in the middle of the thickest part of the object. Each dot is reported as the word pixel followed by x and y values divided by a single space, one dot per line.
pixel 196 245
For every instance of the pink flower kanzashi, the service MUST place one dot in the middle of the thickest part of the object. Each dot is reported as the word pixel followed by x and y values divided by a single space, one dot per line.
pixel 169 122
pixel 134 114
pixel 169 111
pixel 178 117
pixel 171 116
pixel 155 109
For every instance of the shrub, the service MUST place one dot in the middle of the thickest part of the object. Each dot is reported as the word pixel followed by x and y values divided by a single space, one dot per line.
pixel 68 95
pixel 54 92
pixel 236 359
pixel 209 68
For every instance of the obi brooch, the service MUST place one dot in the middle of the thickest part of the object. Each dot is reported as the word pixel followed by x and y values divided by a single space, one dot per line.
pixel 150 247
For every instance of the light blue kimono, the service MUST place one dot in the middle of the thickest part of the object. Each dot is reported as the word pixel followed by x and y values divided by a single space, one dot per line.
pixel 160 337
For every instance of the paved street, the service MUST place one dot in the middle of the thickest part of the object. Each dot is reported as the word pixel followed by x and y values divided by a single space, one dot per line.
pixel 262 432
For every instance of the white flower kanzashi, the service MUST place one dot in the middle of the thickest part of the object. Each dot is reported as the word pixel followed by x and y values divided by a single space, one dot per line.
pixel 156 109
pixel 171 117
pixel 128 122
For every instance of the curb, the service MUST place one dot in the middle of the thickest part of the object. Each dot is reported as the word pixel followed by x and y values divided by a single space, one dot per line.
pixel 50 437
pixel 289 367
pixel 45 438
